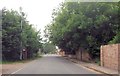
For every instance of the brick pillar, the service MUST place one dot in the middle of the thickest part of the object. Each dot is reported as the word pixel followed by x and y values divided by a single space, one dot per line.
pixel 119 58
pixel 110 56
pixel 101 56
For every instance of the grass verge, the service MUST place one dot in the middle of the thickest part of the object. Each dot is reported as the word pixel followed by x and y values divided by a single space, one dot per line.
pixel 19 61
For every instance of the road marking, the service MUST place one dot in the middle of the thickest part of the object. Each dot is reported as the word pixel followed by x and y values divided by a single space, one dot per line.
pixel 24 66
pixel 90 69
pixel 87 68
pixel 84 67
pixel 17 70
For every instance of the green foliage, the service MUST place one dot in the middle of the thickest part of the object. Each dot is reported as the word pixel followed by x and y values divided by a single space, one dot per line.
pixel 13 36
pixel 48 48
pixel 84 24
pixel 116 39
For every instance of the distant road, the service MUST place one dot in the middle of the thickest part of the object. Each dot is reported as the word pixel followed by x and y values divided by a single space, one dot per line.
pixel 53 64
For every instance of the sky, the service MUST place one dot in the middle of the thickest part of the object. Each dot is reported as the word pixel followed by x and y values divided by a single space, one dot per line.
pixel 38 12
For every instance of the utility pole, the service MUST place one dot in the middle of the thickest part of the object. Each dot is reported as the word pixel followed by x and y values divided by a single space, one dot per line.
pixel 21 34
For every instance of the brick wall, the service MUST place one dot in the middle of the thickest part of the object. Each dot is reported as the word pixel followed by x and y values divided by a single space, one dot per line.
pixel 119 58
pixel 110 56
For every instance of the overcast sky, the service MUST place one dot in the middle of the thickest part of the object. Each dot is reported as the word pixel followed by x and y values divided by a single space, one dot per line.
pixel 38 11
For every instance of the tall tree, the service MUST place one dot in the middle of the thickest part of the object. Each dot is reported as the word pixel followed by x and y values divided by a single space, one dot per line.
pixel 13 35
pixel 84 24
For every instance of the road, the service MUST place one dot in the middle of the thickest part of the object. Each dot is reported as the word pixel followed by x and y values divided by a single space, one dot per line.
pixel 53 64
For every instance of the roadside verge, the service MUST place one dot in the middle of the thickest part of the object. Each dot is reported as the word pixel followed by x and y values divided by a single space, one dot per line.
pixel 94 67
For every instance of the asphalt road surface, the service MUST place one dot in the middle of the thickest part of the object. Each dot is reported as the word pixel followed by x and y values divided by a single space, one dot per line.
pixel 53 64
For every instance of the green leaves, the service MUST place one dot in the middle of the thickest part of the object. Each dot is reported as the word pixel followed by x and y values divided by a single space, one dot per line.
pixel 48 48
pixel 85 24
pixel 13 35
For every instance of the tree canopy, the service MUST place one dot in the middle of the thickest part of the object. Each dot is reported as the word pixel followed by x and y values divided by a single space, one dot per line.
pixel 85 24
pixel 48 48
pixel 15 38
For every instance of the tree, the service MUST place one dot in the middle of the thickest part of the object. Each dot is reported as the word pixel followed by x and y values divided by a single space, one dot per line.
pixel 48 48
pixel 13 35
pixel 84 24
